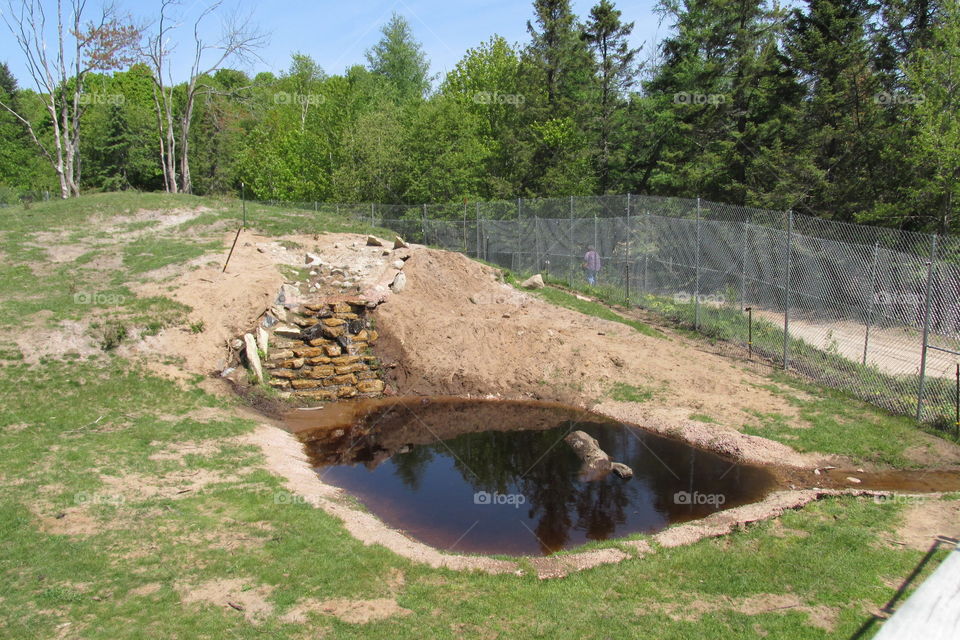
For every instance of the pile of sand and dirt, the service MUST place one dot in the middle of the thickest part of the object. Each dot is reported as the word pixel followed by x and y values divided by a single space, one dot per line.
pixel 457 329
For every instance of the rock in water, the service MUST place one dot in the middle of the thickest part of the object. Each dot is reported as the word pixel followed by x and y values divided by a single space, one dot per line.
pixel 534 282
pixel 253 358
pixel 621 470
pixel 596 463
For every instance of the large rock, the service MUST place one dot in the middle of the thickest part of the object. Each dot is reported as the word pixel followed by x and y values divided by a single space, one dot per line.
pixel 373 241
pixel 399 282
pixel 533 282
pixel 398 243
pixel 253 358
pixel 289 296
pixel 596 463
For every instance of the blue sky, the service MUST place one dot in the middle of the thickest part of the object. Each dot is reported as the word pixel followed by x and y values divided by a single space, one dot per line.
pixel 336 34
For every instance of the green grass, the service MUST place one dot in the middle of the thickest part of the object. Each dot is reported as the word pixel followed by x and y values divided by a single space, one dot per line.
pixel 702 417
pixel 148 254
pixel 623 392
pixel 588 307
pixel 69 428
pixel 831 421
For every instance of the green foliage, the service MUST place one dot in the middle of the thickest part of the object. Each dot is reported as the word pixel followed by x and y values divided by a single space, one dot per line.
pixel 833 108
pixel 400 59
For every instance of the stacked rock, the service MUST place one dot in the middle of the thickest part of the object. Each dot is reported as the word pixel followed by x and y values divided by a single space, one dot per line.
pixel 323 353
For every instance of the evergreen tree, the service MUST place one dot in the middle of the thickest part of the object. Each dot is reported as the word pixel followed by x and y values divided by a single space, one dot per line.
pixel 933 77
pixel 400 58
pixel 831 54
pixel 608 38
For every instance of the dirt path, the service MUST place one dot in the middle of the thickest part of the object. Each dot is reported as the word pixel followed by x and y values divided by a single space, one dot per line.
pixel 893 351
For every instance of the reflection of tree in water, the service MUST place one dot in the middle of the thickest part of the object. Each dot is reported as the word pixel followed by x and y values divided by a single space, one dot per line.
pixel 538 465
pixel 411 466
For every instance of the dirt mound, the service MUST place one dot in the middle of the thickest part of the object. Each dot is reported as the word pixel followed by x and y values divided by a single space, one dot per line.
pixel 223 306
pixel 456 329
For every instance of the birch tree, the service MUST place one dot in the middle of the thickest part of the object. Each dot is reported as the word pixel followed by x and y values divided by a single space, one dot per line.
pixel 239 41
pixel 103 44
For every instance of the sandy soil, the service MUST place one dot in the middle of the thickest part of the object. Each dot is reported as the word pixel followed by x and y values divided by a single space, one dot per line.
pixel 456 330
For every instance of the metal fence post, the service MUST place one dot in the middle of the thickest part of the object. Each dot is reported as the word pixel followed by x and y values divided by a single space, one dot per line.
pixel 423 223
pixel 927 304
pixel 743 264
pixel 629 258
pixel 243 200
pixel 573 251
pixel 465 225
pixel 517 252
pixel 478 230
pixel 372 213
pixel 646 253
pixel 871 300
pixel 786 293
pixel 696 292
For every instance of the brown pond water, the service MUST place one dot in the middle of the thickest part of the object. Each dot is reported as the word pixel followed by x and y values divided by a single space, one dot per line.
pixel 496 477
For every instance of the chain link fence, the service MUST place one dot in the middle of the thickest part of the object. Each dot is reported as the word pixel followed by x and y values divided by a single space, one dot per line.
pixel 870 310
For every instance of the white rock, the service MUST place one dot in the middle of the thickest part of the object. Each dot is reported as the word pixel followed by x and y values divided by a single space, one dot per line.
pixel 287 331
pixel 534 282
pixel 253 358
pixel 289 296
pixel 399 283
pixel 263 340
pixel 313 260
pixel 398 264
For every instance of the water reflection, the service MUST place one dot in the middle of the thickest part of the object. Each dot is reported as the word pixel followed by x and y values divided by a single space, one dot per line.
pixel 432 482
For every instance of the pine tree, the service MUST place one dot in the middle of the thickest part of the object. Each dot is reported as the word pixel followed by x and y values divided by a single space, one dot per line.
pixel 608 37
pixel 831 55
pixel 400 58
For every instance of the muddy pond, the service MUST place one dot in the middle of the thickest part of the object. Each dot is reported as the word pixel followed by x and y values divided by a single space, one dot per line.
pixel 487 477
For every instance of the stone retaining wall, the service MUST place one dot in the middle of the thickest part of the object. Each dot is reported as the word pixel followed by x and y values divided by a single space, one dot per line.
pixel 322 352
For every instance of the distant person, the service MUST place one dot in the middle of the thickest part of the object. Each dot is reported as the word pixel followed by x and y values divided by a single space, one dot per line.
pixel 591 264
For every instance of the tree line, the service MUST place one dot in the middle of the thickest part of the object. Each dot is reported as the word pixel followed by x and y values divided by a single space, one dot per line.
pixel 844 109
